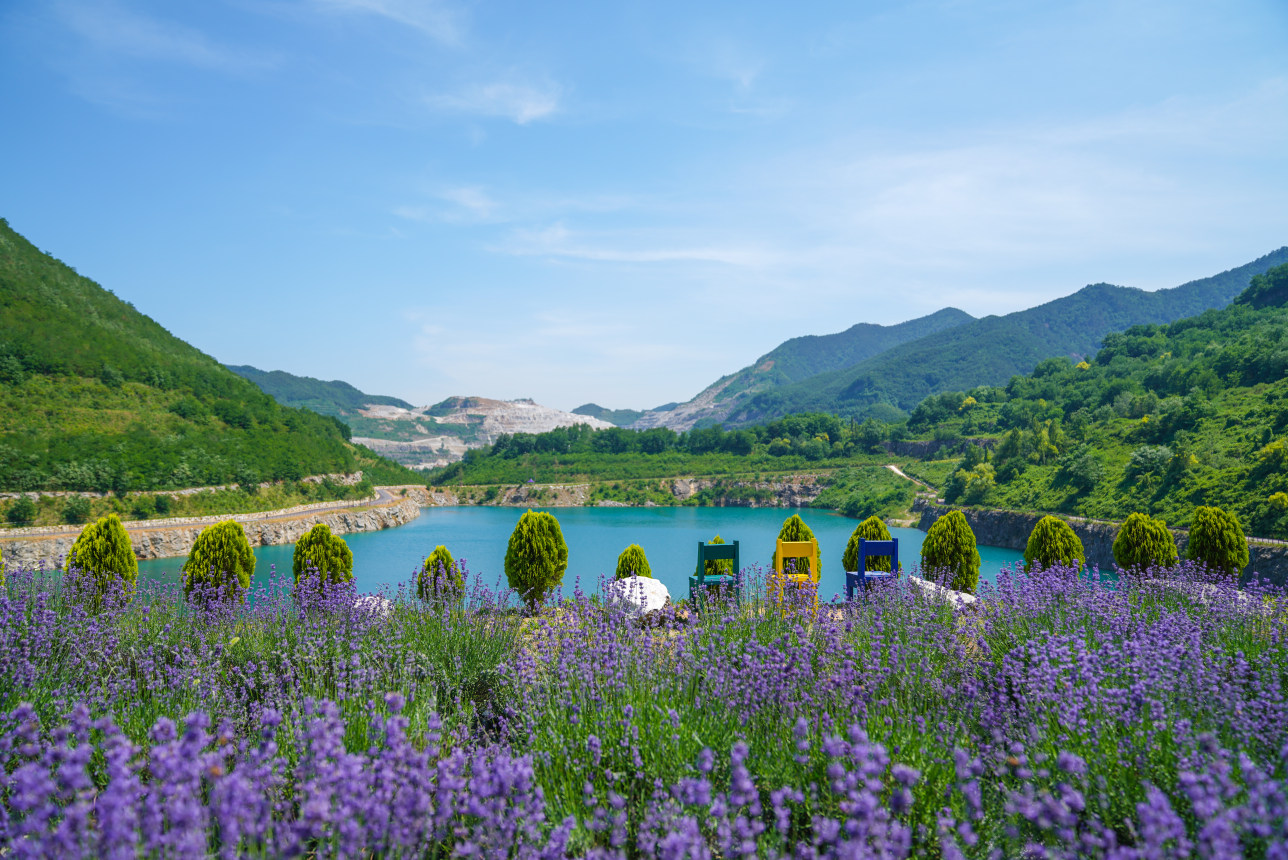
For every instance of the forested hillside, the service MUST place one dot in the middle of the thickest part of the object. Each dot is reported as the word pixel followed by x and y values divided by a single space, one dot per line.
pixel 1160 420
pixel 991 350
pixel 97 396
pixel 336 397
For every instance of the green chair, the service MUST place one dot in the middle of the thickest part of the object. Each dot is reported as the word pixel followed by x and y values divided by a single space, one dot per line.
pixel 701 580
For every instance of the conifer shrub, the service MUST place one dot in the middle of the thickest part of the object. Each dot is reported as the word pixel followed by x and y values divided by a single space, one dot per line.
pixel 221 558
pixel 1143 542
pixel 795 529
pixel 1053 542
pixel 325 553
pixel 440 577
pixel 103 550
pixel 536 557
pixel 1217 541
pixel 632 562
pixel 870 529
pixel 949 551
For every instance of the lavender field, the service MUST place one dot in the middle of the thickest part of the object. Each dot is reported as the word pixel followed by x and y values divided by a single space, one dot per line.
pixel 1059 718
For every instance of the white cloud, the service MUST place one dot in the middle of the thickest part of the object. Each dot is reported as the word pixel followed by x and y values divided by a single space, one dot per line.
pixel 113 28
pixel 435 19
pixel 557 241
pixel 521 102
pixel 473 200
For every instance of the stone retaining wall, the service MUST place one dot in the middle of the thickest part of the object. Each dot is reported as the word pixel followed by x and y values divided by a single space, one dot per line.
pixel 174 538
pixel 1011 529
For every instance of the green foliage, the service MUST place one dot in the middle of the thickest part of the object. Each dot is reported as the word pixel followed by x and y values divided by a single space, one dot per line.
pixel 76 511
pixel 1217 541
pixel 866 491
pixel 221 557
pixel 22 512
pixel 1143 542
pixel 873 528
pixel 104 550
pixel 1267 290
pixel 440 577
pixel 949 550
pixel 335 398
pixel 1053 542
pixel 325 553
pixel 723 567
pixel 536 556
pixel 795 529
pixel 130 406
pixel 632 562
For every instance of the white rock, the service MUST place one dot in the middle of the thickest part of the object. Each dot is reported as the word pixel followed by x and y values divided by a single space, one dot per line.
pixel 636 594
pixel 959 599
pixel 373 603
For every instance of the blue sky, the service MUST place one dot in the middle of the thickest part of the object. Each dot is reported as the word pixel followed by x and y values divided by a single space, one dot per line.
pixel 620 202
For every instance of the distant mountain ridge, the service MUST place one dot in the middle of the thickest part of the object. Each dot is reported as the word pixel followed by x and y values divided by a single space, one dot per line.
pixel 336 397
pixel 989 351
pixel 794 360
pixel 618 417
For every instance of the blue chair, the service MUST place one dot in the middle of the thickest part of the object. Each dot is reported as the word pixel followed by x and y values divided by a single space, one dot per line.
pixel 872 549
pixel 701 579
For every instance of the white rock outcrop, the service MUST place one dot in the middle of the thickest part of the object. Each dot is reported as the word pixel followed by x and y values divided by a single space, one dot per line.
pixel 959 599
pixel 636 595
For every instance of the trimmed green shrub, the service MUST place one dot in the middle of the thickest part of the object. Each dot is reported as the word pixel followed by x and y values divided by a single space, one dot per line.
pixel 327 553
pixel 1217 541
pixel 536 557
pixel 440 576
pixel 22 512
pixel 870 529
pixel 633 562
pixel 724 567
pixel 950 548
pixel 220 558
pixel 1053 542
pixel 76 511
pixel 103 549
pixel 794 529
pixel 1144 542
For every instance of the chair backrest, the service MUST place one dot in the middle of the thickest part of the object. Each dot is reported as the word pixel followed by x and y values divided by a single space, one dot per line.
pixel 716 552
pixel 806 549
pixel 878 549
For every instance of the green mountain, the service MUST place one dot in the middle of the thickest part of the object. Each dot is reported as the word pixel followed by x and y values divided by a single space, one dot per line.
pixel 1164 418
pixel 97 396
pixel 800 358
pixel 620 417
pixel 991 350
pixel 336 397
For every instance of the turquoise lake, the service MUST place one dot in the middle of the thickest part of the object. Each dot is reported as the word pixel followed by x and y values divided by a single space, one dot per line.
pixel 384 560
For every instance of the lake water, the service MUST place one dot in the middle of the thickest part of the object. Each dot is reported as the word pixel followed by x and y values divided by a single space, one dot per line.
pixel 596 536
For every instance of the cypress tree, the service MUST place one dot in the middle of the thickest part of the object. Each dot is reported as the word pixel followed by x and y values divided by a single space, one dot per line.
pixel 1217 541
pixel 103 549
pixel 440 576
pixel 633 562
pixel 1143 542
pixel 950 547
pixel 536 556
pixel 795 529
pixel 324 552
pixel 870 529
pixel 1053 542
pixel 221 557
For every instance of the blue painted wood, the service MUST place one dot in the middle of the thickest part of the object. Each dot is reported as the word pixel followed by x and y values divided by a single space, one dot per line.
pixel 699 582
pixel 872 549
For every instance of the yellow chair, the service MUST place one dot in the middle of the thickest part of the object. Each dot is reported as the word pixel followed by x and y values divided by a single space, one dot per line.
pixel 782 578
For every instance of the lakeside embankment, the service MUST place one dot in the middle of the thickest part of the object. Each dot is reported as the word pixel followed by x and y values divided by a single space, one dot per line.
pixel 1011 529
pixel 789 491
pixel 173 537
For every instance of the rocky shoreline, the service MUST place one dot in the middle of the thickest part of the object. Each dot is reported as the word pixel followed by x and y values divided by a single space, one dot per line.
pixel 1010 529
pixel 152 539
pixel 796 491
